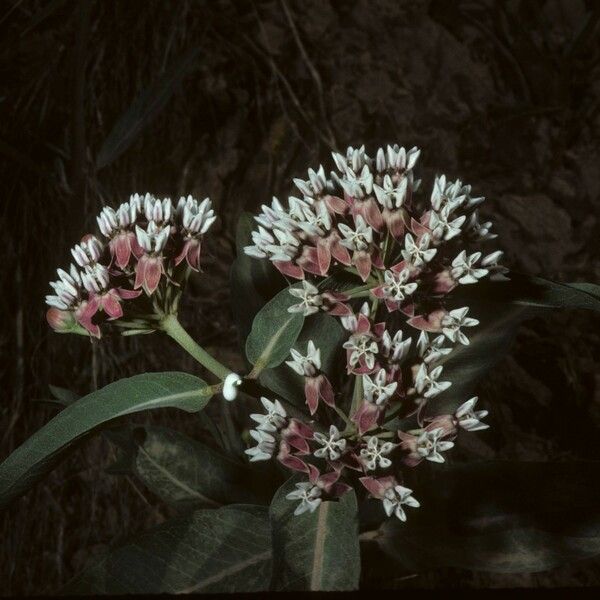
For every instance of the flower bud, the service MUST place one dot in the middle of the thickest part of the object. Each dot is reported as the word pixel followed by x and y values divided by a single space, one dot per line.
pixel 230 386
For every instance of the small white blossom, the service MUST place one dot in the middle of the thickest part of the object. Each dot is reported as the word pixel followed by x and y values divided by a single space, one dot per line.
pixel 154 238
pixel 196 217
pixel 231 385
pixel 310 297
pixel 355 159
pixel 375 454
pixel 87 252
pixel 395 497
pixel 309 365
pixel 359 238
pixel 396 287
pixel 361 346
pixel 67 289
pixel 265 447
pixel 262 240
pixel 95 278
pixel 418 254
pixel 395 349
pixel 350 322
pixel 479 232
pixel 309 496
pixel 159 211
pixel 464 269
pixel 389 195
pixel 376 389
pixel 272 216
pixel 442 226
pixel 275 418
pixel 333 445
pixel 431 350
pixel 430 444
pixel 426 382
pixel 454 321
pixel 470 419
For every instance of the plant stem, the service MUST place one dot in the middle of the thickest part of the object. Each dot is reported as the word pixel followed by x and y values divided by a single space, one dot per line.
pixel 172 327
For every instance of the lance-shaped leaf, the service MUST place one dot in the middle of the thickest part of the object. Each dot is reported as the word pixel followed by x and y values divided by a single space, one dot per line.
pixel 499 516
pixel 328 335
pixel 253 281
pixel 274 332
pixel 181 471
pixel 500 307
pixel 40 452
pixel 144 109
pixel 223 550
pixel 315 551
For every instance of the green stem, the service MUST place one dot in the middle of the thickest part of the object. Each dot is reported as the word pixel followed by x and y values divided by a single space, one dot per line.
pixel 172 327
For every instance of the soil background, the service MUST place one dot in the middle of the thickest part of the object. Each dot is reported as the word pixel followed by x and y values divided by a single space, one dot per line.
pixel 232 100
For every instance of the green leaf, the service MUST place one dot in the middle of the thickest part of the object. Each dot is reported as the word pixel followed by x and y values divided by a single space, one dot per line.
pixel 253 281
pixel 274 331
pixel 315 551
pixel 181 471
pixel 144 109
pixel 500 307
pixel 501 516
pixel 63 395
pixel 40 452
pixel 328 335
pixel 223 550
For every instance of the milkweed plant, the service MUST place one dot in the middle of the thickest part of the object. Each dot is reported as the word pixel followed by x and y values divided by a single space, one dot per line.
pixel 370 304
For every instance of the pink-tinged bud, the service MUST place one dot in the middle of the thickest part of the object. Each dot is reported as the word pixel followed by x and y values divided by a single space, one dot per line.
pixel 62 321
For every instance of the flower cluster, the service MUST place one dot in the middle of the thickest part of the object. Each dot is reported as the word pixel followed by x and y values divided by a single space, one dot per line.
pixel 404 254
pixel 116 277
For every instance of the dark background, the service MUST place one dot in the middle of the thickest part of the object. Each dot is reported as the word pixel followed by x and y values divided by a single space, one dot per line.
pixel 238 98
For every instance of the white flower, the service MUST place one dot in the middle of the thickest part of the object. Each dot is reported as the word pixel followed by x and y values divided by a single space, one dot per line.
pixel 350 323
pixel 154 239
pixel 479 232
pixel 452 323
pixel 441 225
pixel 431 351
pixel 315 185
pixel 67 289
pixel 275 418
pixel 418 254
pixel 464 269
pixel 286 248
pixel 262 241
pixel 273 216
pixel 361 346
pixel 159 211
pixel 430 444
pixel 316 220
pixel 231 384
pixel 470 419
pixel 87 252
pixel 308 365
pixel 426 382
pixel 95 278
pixel 264 448
pixel 376 389
pixel 333 446
pixel 389 195
pixel 395 287
pixel 196 217
pixel 359 238
pixel 355 159
pixel 374 455
pixel 395 349
pixel 311 299
pixel 309 496
pixel 395 497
